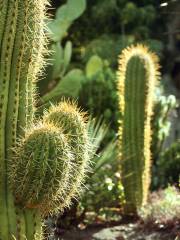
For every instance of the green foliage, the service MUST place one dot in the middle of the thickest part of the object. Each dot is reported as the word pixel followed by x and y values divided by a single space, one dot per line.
pixel 168 165
pixel 60 53
pixel 137 78
pixel 163 207
pixel 111 25
pixel 112 15
pixel 107 47
pixel 93 66
pixel 103 182
pixel 58 62
pixel 69 87
pixel 95 89
pixel 161 124
pixel 65 15
pixel 164 108
pixel 60 59
pixel 98 93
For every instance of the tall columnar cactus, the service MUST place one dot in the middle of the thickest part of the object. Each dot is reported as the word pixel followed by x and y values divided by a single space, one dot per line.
pixel 41 165
pixel 137 76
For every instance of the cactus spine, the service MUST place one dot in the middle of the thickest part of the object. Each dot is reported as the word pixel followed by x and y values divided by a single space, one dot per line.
pixel 36 160
pixel 137 77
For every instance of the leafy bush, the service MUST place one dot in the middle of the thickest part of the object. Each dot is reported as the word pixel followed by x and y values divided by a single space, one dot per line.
pixel 104 187
pixel 60 51
pixel 110 16
pixel 113 45
pixel 164 106
pixel 111 25
pixel 169 165
pixel 163 170
pixel 98 94
pixel 163 207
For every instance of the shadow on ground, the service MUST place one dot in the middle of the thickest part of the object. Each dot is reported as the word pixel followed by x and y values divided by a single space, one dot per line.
pixel 122 232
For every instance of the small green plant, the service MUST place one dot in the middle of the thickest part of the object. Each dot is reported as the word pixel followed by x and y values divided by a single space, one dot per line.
pixel 164 109
pixel 168 165
pixel 160 123
pixel 163 207
pixel 42 164
pixel 104 180
pixel 137 78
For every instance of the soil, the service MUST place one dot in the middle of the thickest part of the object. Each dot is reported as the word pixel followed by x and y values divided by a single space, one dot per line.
pixel 130 231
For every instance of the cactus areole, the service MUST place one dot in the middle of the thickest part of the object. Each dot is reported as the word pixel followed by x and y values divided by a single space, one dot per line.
pixel 41 165
pixel 137 76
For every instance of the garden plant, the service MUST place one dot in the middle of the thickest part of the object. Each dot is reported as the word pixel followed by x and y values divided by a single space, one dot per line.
pixel 56 71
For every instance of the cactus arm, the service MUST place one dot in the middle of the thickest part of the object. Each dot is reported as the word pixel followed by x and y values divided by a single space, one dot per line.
pixel 18 90
pixel 36 58
pixel 6 56
pixel 28 168
pixel 137 77
pixel 17 99
pixel 3 12
pixel 26 39
pixel 20 225
pixel 20 32
pixel 32 59
pixel 36 163
pixel 72 123
pixel 17 111
pixel 46 174
pixel 53 178
pixel 11 213
pixel 40 166
pixel 33 224
pixel 16 80
pixel 50 181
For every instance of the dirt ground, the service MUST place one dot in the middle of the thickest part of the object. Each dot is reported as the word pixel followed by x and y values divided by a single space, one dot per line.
pixel 122 232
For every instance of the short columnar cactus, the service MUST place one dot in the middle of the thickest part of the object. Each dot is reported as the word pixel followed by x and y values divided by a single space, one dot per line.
pixel 41 164
pixel 137 77
pixel 68 118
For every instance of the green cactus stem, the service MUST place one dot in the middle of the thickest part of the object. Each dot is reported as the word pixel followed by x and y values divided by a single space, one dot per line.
pixel 71 120
pixel 44 166
pixel 36 160
pixel 21 31
pixel 137 77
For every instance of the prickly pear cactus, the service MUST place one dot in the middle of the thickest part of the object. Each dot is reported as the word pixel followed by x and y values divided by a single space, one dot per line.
pixel 137 77
pixel 42 164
